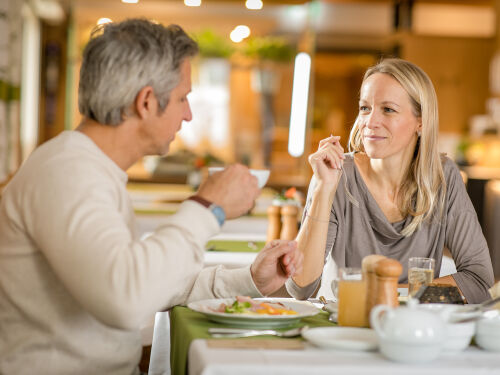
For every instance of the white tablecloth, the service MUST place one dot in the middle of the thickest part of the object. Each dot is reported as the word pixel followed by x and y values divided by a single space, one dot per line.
pixel 208 361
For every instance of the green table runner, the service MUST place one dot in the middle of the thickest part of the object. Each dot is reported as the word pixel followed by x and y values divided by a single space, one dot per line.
pixel 187 325
pixel 235 246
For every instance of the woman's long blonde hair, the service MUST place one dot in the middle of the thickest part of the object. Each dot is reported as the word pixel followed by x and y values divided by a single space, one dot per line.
pixel 423 191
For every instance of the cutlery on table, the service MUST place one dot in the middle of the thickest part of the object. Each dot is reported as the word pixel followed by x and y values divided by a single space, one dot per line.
pixel 481 315
pixel 331 307
pixel 483 310
pixel 237 332
pixel 485 305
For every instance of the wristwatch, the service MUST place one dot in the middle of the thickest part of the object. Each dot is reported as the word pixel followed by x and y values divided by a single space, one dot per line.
pixel 216 210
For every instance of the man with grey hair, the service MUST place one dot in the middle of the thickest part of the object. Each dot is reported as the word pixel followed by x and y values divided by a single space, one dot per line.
pixel 75 283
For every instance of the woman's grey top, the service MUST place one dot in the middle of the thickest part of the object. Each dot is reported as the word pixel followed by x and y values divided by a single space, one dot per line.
pixel 355 232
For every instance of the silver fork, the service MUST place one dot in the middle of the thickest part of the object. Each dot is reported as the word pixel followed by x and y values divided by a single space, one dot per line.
pixel 237 332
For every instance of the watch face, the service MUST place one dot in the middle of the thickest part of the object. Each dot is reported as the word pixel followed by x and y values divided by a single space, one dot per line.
pixel 219 213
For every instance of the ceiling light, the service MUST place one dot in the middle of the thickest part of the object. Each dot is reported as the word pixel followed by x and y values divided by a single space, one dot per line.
pixel 235 36
pixel 192 3
pixel 239 33
pixel 104 20
pixel 254 4
pixel 243 30
pixel 130 1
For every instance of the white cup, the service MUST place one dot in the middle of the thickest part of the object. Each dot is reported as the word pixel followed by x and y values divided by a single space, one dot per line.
pixel 261 174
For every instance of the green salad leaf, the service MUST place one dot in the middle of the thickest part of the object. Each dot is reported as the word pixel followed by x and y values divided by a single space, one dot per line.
pixel 238 307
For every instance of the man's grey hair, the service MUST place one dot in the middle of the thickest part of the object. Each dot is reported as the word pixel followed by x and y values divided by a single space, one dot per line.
pixel 122 58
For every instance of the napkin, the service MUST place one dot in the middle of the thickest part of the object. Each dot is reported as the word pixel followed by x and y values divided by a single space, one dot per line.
pixel 248 343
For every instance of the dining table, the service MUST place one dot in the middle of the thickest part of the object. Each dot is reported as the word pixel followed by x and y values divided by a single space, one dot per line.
pixel 192 351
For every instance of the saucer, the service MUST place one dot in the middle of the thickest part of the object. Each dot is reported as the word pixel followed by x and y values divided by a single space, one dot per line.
pixel 345 338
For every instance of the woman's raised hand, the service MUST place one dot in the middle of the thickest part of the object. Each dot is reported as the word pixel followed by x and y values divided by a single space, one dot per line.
pixel 328 160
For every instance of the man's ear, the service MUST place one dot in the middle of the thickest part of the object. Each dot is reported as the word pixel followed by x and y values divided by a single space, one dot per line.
pixel 145 102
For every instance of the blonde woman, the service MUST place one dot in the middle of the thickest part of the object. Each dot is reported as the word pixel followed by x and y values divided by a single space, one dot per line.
pixel 393 194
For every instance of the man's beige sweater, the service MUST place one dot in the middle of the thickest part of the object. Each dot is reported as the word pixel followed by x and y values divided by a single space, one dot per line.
pixel 75 284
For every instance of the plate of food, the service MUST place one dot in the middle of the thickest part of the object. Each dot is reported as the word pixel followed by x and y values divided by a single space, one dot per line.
pixel 255 313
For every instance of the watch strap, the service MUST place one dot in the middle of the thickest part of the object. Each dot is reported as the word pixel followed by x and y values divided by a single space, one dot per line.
pixel 200 200
pixel 216 210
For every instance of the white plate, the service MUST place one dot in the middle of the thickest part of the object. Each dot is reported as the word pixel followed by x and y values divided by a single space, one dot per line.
pixel 303 308
pixel 347 338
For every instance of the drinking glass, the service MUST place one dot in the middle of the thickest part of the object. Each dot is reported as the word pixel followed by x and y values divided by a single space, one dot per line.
pixel 351 296
pixel 420 272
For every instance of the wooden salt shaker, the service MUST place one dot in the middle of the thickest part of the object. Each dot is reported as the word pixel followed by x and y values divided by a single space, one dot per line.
pixel 387 271
pixel 273 222
pixel 289 217
pixel 368 269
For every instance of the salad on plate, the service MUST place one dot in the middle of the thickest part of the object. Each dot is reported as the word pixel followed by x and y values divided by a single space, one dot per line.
pixel 249 306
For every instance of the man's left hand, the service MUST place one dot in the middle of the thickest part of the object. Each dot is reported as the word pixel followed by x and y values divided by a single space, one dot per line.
pixel 276 262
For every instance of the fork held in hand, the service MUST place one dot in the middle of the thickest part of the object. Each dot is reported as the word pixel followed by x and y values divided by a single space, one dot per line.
pixel 236 332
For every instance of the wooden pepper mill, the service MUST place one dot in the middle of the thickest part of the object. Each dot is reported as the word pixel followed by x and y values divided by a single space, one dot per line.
pixel 387 271
pixel 273 222
pixel 368 269
pixel 289 218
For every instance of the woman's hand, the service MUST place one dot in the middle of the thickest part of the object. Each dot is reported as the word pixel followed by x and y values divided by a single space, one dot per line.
pixel 327 161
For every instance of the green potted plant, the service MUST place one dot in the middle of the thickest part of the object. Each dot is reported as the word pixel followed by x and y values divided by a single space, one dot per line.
pixel 212 45
pixel 269 48
pixel 267 51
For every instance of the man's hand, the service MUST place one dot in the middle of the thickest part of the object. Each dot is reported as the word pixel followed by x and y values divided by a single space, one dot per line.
pixel 234 189
pixel 276 262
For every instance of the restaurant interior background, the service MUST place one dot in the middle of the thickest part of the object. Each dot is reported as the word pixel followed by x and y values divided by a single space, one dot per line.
pixel 243 84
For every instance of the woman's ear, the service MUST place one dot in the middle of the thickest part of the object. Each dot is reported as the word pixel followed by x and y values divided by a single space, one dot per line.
pixel 145 102
pixel 419 127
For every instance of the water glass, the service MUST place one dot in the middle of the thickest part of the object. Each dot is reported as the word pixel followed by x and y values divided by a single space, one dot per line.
pixel 420 272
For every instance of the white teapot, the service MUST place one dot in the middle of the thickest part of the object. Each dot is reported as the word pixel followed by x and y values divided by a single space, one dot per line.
pixel 408 334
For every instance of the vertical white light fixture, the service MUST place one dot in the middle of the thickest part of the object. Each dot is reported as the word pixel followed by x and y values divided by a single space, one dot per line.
pixel 298 113
pixel 30 80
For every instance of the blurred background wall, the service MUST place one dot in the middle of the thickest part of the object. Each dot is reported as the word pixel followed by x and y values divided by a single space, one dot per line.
pixel 242 89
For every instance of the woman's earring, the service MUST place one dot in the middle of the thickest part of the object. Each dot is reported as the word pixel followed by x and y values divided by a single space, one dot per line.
pixel 419 133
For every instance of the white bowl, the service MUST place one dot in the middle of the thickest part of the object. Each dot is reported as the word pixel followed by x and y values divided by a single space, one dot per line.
pixel 458 335
pixel 261 174
pixel 489 342
pixel 488 333
pixel 406 352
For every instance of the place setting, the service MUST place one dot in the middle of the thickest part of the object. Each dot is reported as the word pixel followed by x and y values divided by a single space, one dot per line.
pixel 372 313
